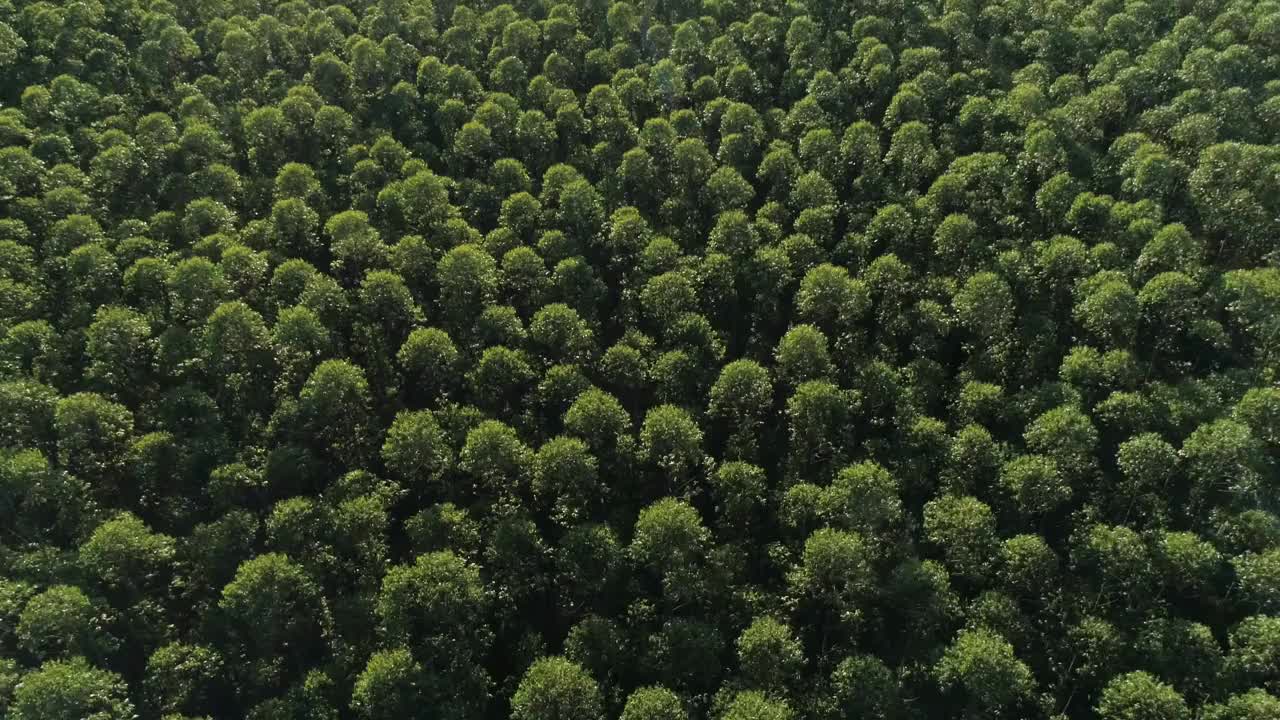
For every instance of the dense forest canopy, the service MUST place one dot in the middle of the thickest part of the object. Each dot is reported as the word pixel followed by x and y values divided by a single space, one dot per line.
pixel 644 360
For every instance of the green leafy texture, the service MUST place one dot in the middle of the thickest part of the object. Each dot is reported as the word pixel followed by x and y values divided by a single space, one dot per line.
pixel 858 359
pixel 556 689
pixel 62 690
pixel 982 667
pixel 1139 696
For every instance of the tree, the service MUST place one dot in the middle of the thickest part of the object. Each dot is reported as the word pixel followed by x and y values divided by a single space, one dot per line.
pixel 334 405
pixel 500 377
pixel 127 559
pixel 468 279
pixel 496 459
pixel 66 689
pixel 1189 562
pixel 672 441
pixel 1067 436
pixel 769 656
pixel 588 558
pixel 1254 295
pixel 196 288
pixel 755 705
pixel 62 622
pixel 1259 408
pixel 300 342
pixel 236 348
pixel 835 574
pixel 1223 460
pixel 389 686
pixel 182 678
pixel 653 703
pixel 861 686
pixel 740 491
pixel 1139 696
pixel 556 689
pixel 41 501
pixel 428 357
pixel 1258 576
pixel 865 498
pixel 741 398
pixel 1097 645
pixel 1255 703
pixel 726 190
pixel 27 413
pixel 1035 483
pixel 121 351
pixel 985 306
pixel 802 355
pixel 964 529
pixel 356 246
pixel 981 666
pixel 1224 177
pixel 1122 559
pixel 598 418
pixel 559 333
pixel 277 617
pixel 670 540
pixel 1107 308
pixel 912 157
pixel 830 299
pixel 565 476
pixel 1255 651
pixel 93 435
pixel 818 415
pixel 667 297
pixel 434 606
pixel 1030 567
pixel 416 449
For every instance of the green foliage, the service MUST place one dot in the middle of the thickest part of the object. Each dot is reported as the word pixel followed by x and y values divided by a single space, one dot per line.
pixel 275 613
pixel 982 667
pixel 1139 696
pixel 671 440
pixel 389 686
pixel 416 449
pixel 124 555
pixel 62 690
pixel 769 656
pixel 860 359
pixel 439 595
pixel 182 677
pixel 670 539
pixel 61 622
pixel 754 705
pixel 556 689
pixel 862 686
pixel 653 703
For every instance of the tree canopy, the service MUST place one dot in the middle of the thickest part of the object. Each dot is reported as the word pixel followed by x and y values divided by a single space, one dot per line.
pixel 663 360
